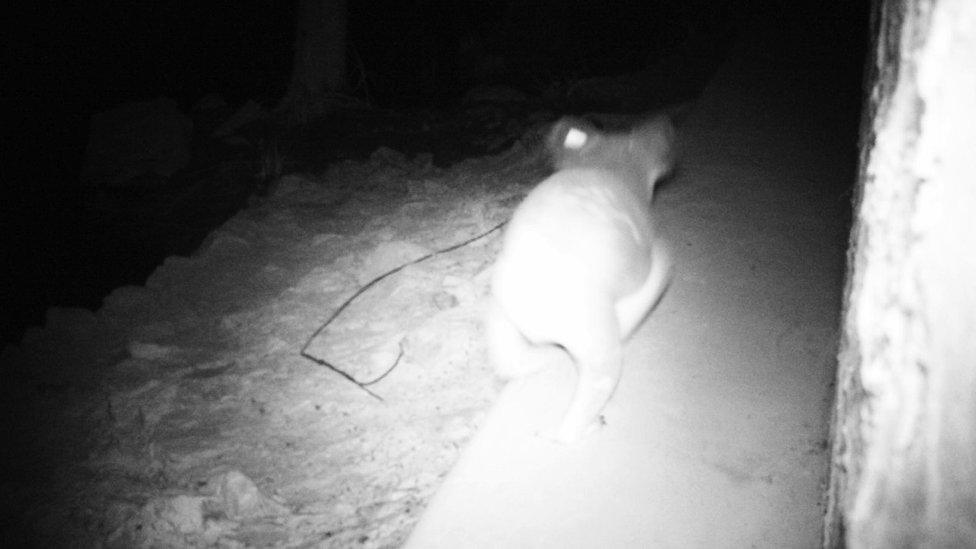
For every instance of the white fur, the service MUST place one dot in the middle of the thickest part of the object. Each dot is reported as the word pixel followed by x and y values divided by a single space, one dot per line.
pixel 581 265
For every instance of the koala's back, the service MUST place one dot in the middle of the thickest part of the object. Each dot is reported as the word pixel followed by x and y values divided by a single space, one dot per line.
pixel 582 225
pixel 589 223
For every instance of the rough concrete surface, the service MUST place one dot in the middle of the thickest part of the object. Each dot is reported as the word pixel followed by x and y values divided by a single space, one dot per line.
pixel 716 435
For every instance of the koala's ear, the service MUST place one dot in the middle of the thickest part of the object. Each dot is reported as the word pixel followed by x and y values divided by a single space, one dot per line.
pixel 570 134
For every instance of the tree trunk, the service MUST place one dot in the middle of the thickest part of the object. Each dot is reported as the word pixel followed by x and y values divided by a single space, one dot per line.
pixel 319 70
pixel 903 471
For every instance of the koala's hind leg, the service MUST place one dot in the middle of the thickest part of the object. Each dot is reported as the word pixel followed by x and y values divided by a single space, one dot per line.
pixel 597 350
pixel 508 350
pixel 632 309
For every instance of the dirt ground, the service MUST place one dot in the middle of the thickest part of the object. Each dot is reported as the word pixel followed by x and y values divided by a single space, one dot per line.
pixel 210 428
pixel 182 414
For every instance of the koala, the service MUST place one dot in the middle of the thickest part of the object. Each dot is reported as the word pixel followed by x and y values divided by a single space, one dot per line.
pixel 581 265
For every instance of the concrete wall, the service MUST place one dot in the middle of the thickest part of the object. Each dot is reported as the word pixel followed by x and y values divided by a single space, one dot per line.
pixel 904 432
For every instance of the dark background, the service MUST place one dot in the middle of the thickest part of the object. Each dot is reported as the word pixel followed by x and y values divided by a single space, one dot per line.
pixel 64 63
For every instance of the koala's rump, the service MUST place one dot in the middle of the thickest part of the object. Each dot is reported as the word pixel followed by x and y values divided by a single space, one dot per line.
pixel 580 240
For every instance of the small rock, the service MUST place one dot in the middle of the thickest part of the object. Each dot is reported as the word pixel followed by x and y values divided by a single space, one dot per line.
pixel 240 499
pixel 152 351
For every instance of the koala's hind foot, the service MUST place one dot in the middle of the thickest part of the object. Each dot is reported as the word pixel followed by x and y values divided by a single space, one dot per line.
pixel 598 354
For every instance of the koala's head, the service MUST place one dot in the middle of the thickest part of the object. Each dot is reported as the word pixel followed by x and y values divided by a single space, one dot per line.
pixel 648 150
pixel 573 141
